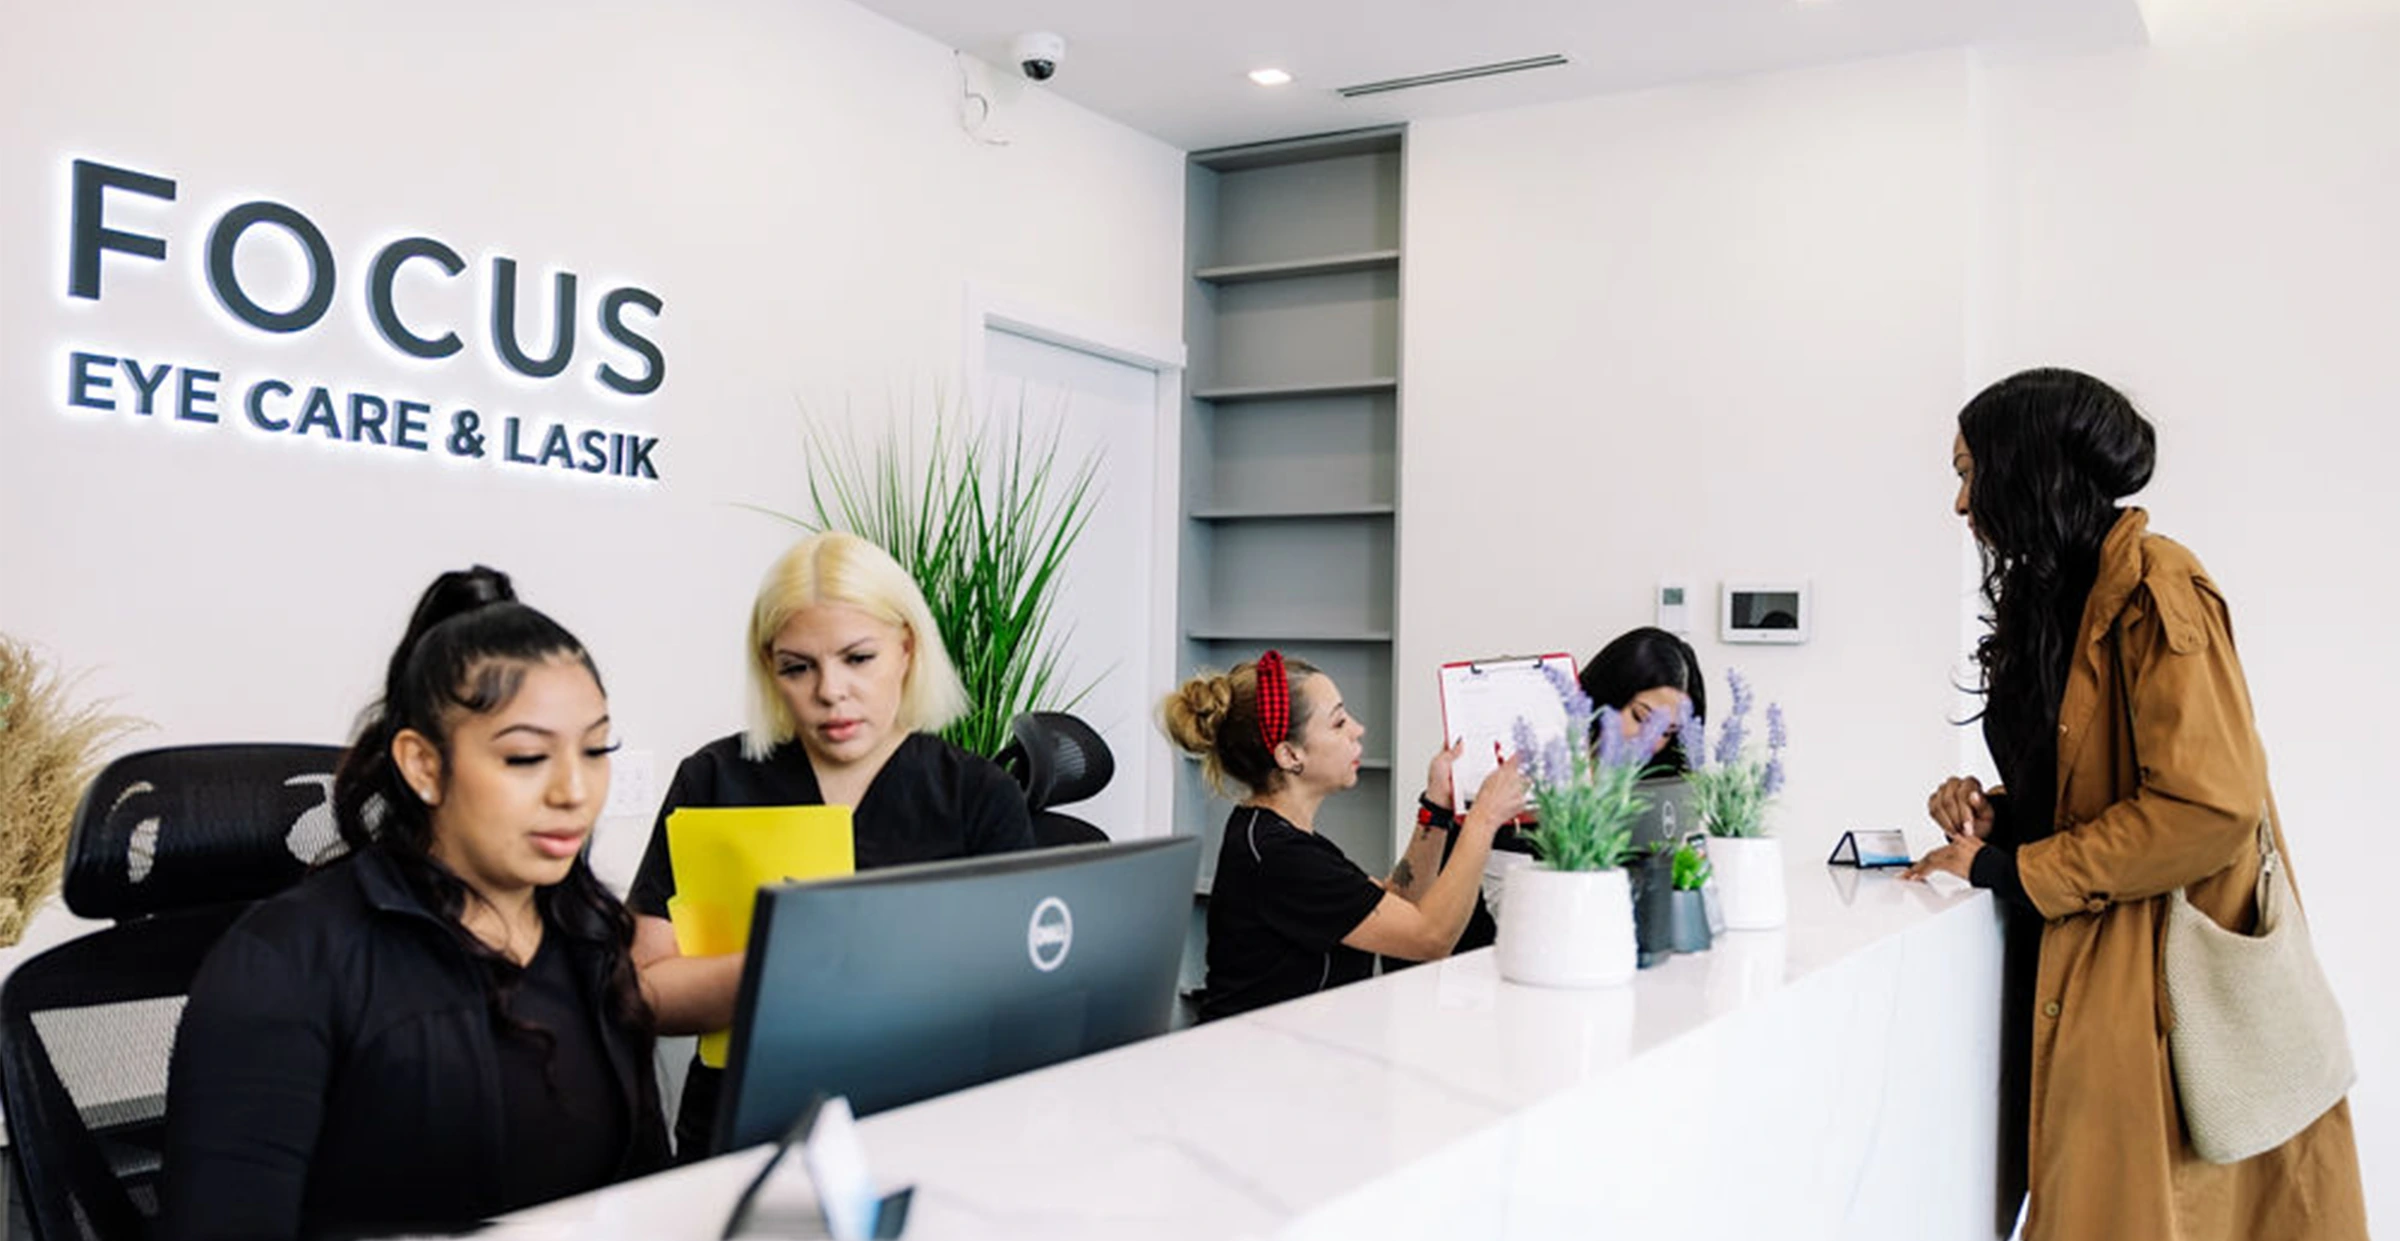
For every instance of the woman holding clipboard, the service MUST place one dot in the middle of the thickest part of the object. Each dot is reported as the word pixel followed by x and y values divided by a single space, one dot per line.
pixel 1290 914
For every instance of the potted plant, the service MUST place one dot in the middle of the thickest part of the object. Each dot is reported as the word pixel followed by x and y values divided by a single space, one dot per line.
pixel 1731 789
pixel 1687 912
pixel 1568 920
pixel 983 519
pixel 1670 908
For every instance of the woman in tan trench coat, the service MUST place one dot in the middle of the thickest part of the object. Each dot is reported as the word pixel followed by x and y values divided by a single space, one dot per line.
pixel 2106 642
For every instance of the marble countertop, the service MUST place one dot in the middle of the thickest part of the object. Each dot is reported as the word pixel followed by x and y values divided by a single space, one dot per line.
pixel 1244 1126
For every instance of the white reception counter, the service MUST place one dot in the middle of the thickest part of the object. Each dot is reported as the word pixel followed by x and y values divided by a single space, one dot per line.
pixel 1832 1079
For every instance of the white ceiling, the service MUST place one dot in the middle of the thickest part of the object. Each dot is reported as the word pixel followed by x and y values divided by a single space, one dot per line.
pixel 1177 68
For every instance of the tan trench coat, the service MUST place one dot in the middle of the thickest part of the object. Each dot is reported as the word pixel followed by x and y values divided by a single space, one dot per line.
pixel 2109 1160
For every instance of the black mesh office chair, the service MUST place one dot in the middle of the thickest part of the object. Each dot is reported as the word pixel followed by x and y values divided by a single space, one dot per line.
pixel 1059 760
pixel 172 845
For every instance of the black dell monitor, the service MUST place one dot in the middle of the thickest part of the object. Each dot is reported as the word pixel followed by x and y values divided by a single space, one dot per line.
pixel 904 983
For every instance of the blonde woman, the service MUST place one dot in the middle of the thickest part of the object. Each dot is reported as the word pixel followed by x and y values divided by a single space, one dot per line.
pixel 848 682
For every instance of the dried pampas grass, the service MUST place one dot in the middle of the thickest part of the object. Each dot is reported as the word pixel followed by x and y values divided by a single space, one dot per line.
pixel 50 748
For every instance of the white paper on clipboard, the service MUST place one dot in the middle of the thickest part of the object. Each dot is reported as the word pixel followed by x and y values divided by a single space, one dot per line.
pixel 1482 700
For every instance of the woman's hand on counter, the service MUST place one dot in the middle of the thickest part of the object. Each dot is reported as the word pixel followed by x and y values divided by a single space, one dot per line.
pixel 1956 857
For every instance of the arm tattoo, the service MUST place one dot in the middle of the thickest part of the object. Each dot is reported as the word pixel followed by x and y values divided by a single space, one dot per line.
pixel 1404 875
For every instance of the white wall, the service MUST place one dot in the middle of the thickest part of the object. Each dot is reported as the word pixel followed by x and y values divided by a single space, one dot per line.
pixel 1712 334
pixel 789 176
pixel 1722 331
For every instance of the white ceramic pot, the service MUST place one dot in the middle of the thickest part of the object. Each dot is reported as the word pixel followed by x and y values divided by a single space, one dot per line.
pixel 1749 878
pixel 1567 928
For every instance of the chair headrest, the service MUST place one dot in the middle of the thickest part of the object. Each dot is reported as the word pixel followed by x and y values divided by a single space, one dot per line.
pixel 1057 758
pixel 186 826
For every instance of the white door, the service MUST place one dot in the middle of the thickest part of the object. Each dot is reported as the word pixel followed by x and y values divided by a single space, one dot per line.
pixel 1105 618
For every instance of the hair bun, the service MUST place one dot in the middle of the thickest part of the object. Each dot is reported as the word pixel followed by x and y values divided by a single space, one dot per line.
pixel 457 593
pixel 2105 438
pixel 1196 709
pixel 2124 452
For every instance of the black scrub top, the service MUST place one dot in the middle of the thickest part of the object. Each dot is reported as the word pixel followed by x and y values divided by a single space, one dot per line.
pixel 1282 903
pixel 559 1110
pixel 931 801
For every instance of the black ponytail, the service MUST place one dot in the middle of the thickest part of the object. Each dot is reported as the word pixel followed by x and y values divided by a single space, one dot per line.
pixel 468 647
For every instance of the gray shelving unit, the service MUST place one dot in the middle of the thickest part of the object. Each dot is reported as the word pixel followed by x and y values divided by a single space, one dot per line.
pixel 1291 440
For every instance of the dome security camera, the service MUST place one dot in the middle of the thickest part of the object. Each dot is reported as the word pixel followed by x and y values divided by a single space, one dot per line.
pixel 1038 53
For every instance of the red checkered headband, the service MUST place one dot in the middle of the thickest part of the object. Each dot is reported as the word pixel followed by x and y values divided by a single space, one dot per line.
pixel 1274 700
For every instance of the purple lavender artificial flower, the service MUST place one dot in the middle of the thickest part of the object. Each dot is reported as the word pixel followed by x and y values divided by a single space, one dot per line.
pixel 1578 703
pixel 1652 736
pixel 1772 783
pixel 1776 737
pixel 1729 742
pixel 1555 759
pixel 1529 753
pixel 1613 745
pixel 1692 735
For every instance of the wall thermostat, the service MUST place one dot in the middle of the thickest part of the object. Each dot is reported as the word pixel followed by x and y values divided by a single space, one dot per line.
pixel 1763 612
pixel 1674 608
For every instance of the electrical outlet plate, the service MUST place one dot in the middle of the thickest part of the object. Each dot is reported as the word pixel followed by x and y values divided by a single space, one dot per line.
pixel 632 785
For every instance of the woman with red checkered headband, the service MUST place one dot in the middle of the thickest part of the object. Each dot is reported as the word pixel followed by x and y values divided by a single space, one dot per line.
pixel 1289 914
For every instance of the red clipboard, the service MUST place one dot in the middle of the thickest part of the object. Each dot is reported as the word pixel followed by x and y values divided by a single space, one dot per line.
pixel 1481 701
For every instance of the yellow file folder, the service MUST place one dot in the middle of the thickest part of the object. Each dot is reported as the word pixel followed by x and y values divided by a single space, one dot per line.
pixel 723 855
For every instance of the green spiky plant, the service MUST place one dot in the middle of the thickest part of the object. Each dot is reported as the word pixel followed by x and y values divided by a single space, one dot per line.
pixel 983 518
pixel 50 748
pixel 1689 870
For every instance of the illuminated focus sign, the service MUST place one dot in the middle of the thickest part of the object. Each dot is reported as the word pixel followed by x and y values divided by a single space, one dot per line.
pixel 112 380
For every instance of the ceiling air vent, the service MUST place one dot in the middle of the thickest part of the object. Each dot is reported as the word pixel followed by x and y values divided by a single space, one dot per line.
pixel 1461 74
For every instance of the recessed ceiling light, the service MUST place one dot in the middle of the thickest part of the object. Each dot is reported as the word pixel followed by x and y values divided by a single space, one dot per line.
pixel 1270 77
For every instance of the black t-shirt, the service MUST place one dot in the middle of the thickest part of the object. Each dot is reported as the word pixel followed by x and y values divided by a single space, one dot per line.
pixel 1283 900
pixel 562 1120
pixel 931 801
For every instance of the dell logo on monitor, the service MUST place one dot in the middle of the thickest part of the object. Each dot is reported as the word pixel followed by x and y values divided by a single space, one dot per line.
pixel 1050 934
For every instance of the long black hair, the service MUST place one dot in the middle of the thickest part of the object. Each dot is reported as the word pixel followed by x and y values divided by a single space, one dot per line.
pixel 467 649
pixel 2054 450
pixel 1646 659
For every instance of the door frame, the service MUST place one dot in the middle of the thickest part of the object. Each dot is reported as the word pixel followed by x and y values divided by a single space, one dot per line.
pixel 988 309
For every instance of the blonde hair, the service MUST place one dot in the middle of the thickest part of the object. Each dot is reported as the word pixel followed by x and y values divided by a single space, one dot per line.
pixel 1214 717
pixel 841 568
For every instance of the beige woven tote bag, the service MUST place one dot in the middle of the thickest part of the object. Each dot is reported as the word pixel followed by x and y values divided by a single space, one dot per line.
pixel 2257 1047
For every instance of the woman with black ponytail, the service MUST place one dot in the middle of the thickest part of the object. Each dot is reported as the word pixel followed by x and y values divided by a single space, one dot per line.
pixel 2116 710
pixel 446 1023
